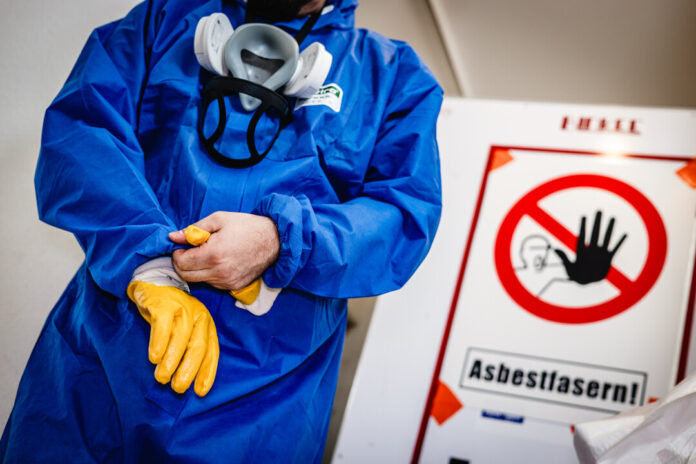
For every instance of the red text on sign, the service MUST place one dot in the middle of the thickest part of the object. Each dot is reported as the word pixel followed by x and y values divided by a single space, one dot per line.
pixel 595 124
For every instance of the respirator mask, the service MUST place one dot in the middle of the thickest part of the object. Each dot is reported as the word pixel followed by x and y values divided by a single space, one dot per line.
pixel 261 63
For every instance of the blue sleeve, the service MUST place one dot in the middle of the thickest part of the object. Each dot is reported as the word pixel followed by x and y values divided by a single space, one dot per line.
pixel 90 176
pixel 370 244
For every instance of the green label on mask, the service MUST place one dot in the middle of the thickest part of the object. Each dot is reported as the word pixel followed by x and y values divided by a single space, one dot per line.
pixel 330 95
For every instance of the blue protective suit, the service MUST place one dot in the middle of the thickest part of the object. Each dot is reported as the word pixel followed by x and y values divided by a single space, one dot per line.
pixel 355 194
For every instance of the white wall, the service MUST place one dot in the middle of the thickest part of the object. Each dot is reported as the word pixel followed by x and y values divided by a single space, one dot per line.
pixel 629 52
pixel 39 42
pixel 412 21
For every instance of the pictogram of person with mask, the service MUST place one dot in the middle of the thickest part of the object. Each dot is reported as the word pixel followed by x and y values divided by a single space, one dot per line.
pixel 542 267
pixel 234 171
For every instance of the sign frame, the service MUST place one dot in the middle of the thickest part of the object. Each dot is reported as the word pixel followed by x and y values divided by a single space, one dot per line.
pixel 687 322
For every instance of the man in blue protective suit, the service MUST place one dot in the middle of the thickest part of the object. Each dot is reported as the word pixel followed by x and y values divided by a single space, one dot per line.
pixel 344 204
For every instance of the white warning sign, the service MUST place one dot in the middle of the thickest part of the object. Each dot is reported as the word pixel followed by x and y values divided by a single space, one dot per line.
pixel 559 288
pixel 571 302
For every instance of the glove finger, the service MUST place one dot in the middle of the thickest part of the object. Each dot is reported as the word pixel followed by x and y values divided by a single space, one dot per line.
pixel 206 374
pixel 161 322
pixel 195 235
pixel 195 351
pixel 248 294
pixel 181 333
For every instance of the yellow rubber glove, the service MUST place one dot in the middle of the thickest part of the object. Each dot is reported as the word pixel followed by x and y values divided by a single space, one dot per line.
pixel 195 235
pixel 247 295
pixel 183 338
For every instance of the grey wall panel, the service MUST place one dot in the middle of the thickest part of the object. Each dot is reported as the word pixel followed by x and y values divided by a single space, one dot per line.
pixel 413 22
pixel 637 52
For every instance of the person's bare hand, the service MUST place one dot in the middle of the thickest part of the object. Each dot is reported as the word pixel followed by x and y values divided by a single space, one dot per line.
pixel 240 248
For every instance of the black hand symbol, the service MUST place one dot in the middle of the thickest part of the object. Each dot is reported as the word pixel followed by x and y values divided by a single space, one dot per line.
pixel 592 262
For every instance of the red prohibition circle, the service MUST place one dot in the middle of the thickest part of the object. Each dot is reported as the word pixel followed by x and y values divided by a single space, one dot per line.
pixel 630 292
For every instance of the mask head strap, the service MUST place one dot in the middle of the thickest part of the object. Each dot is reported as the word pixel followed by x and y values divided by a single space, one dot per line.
pixel 302 34
pixel 307 27
pixel 217 89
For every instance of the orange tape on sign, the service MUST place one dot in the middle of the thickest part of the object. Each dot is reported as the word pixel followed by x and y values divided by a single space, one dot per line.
pixel 501 157
pixel 688 173
pixel 445 403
